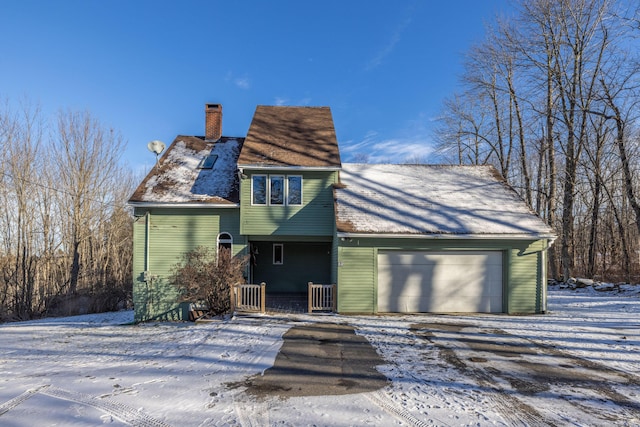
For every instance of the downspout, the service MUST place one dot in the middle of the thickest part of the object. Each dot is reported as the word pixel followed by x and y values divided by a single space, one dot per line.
pixel 147 274
pixel 147 221
pixel 544 278
pixel 545 258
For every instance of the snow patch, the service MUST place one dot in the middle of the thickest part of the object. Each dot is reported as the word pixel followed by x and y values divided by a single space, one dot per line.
pixel 423 199
pixel 180 180
pixel 91 369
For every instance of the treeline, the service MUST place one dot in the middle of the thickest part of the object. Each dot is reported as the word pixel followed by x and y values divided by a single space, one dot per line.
pixel 65 233
pixel 550 98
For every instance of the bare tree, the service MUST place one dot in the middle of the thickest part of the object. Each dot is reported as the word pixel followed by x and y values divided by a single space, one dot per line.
pixel 86 156
pixel 556 81
pixel 463 137
pixel 64 225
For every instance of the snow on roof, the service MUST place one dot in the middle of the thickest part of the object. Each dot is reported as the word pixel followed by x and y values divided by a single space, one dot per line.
pixel 180 180
pixel 427 199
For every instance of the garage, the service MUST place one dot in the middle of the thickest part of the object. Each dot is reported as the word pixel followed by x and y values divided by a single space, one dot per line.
pixel 440 281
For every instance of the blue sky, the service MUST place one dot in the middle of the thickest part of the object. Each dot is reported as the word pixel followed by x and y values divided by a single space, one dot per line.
pixel 147 68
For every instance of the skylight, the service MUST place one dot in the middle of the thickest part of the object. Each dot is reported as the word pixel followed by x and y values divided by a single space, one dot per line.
pixel 208 162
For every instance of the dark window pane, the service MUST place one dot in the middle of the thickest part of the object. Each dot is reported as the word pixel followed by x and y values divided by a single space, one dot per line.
pixel 294 197
pixel 208 162
pixel 277 190
pixel 278 253
pixel 259 189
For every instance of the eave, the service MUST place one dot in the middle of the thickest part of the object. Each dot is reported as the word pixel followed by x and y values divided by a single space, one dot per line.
pixel 443 236
pixel 241 167
pixel 182 205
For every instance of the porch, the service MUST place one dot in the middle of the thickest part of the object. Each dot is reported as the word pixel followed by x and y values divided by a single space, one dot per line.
pixel 295 302
pixel 254 298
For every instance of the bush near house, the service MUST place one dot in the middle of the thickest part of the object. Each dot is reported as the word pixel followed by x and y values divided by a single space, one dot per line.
pixel 204 278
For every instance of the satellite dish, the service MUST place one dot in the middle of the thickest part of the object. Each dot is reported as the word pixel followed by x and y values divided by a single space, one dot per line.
pixel 157 147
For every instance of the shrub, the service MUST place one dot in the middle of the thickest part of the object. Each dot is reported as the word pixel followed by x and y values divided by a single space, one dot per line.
pixel 201 278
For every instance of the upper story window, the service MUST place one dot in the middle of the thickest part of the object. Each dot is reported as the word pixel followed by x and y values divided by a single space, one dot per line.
pixel 294 190
pixel 276 190
pixel 259 190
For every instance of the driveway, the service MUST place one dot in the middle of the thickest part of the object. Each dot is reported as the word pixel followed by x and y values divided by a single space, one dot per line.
pixel 520 375
pixel 320 359
pixel 577 365
pixel 517 375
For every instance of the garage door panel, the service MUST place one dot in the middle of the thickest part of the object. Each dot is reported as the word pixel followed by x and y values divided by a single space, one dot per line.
pixel 461 258
pixel 426 305
pixel 455 281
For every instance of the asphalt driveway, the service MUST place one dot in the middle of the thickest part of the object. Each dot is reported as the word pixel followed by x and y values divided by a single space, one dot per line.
pixel 518 372
pixel 320 359
pixel 513 372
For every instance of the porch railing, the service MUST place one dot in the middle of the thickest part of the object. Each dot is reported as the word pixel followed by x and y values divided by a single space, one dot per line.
pixel 322 297
pixel 250 297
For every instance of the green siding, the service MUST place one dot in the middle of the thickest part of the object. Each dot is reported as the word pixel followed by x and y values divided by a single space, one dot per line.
pixel 352 263
pixel 523 279
pixel 303 263
pixel 357 280
pixel 140 290
pixel 314 218
pixel 172 232
pixel 300 239
pixel 334 261
pixel 525 291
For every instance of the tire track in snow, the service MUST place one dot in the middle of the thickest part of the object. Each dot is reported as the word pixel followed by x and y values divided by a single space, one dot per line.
pixel 250 412
pixel 12 403
pixel 120 411
pixel 381 399
pixel 630 408
pixel 511 409
pixel 384 401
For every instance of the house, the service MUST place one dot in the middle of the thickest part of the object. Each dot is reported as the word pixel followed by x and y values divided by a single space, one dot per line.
pixel 393 238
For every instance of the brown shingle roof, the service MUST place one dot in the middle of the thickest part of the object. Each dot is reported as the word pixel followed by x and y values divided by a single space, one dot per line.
pixel 179 180
pixel 291 136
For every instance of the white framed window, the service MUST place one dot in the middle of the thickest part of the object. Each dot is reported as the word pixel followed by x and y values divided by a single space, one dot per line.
pixel 224 241
pixel 294 189
pixel 259 189
pixel 278 254
pixel 276 190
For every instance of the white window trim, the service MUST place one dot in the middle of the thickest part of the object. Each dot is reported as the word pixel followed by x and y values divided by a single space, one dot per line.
pixel 285 190
pixel 266 190
pixel 281 245
pixel 225 240
pixel 287 193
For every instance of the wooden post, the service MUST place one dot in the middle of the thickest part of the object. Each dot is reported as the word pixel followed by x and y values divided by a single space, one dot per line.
pixel 334 297
pixel 263 287
pixel 234 297
pixel 310 297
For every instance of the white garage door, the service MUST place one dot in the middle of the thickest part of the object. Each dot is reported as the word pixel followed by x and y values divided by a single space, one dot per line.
pixel 440 282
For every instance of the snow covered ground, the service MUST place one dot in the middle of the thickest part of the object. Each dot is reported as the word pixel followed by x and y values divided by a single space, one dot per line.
pixel 577 365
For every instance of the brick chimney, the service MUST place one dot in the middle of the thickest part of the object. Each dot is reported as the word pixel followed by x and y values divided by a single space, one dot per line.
pixel 212 122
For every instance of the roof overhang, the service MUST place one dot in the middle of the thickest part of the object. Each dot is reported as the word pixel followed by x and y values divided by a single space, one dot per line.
pixel 182 205
pixel 294 168
pixel 518 236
